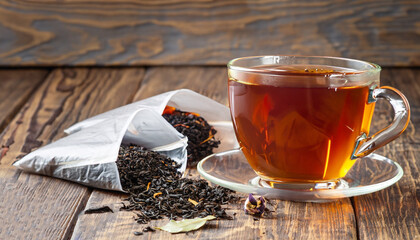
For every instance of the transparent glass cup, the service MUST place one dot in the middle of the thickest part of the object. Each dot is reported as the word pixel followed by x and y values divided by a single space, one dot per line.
pixel 304 120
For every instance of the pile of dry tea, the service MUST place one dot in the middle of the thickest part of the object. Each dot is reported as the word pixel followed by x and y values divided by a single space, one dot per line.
pixel 156 188
pixel 201 141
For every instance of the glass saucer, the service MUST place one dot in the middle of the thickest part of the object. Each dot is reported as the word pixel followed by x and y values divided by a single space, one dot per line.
pixel 230 169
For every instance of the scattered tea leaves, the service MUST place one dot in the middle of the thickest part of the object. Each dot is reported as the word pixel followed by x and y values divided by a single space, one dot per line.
pixel 139 168
pixel 185 225
pixel 157 189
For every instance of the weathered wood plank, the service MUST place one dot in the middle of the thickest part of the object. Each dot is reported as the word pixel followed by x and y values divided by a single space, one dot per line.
pixel 16 87
pixel 290 220
pixel 38 207
pixel 393 213
pixel 205 32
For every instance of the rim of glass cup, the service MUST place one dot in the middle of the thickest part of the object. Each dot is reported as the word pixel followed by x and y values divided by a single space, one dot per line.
pixel 233 64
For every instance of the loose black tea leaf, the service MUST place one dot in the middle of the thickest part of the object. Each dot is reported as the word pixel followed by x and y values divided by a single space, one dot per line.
pixel 103 209
pixel 201 141
pixel 157 189
pixel 149 229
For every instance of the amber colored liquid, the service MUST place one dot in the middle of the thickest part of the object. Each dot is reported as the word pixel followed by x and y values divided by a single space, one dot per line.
pixel 299 133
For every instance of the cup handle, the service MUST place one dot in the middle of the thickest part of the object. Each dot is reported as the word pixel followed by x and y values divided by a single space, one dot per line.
pixel 366 145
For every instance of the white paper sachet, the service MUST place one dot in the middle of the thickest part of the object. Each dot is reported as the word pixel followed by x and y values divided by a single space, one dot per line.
pixel 89 153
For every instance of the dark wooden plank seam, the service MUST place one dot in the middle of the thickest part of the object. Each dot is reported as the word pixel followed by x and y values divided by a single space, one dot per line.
pixel 356 217
pixel 81 207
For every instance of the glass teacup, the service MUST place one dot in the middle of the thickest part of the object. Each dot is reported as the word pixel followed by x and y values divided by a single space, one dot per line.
pixel 305 120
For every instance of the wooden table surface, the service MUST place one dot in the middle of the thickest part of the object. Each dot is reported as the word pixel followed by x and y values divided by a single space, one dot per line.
pixel 36 105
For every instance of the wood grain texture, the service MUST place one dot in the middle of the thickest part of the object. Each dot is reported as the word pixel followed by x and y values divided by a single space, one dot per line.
pixel 136 32
pixel 394 212
pixel 16 86
pixel 209 81
pixel 38 207
pixel 290 220
pixel 67 96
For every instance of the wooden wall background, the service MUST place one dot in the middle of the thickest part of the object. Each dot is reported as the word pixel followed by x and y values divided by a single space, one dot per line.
pixel 204 32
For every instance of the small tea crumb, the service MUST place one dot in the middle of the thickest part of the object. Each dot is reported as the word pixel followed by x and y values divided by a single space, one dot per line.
pixel 103 209
pixel 149 229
